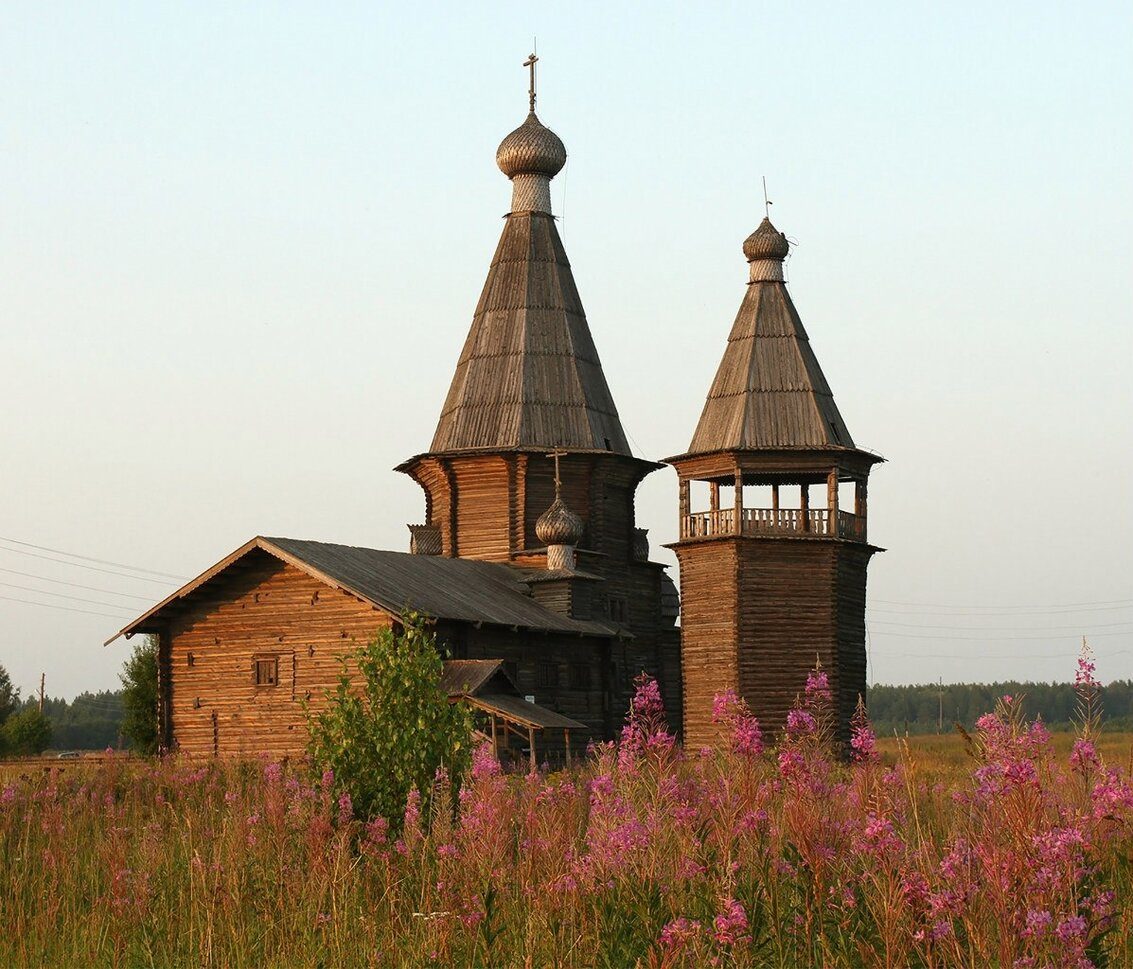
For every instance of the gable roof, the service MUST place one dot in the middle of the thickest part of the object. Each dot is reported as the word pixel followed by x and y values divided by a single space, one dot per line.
pixel 529 374
pixel 769 391
pixel 444 588
pixel 464 677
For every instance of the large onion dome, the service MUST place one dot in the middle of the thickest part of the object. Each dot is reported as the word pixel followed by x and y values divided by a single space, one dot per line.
pixel 558 525
pixel 532 149
pixel 766 242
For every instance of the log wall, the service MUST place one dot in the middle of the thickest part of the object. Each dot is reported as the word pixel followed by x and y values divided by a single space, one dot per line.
pixel 709 632
pixel 267 609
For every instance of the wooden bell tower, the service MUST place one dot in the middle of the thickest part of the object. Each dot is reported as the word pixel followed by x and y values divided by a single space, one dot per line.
pixel 773 510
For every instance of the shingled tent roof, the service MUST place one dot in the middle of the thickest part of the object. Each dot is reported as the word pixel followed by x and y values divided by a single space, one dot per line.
pixel 443 588
pixel 529 376
pixel 769 391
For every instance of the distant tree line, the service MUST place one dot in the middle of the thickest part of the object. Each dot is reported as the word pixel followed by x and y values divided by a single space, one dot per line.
pixel 919 708
pixel 125 718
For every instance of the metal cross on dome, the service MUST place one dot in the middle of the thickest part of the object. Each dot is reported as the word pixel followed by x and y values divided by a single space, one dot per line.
pixel 531 62
pixel 555 455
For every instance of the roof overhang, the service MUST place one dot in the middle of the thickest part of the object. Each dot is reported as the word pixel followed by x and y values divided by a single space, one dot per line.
pixel 407 466
pixel 149 621
pixel 772 465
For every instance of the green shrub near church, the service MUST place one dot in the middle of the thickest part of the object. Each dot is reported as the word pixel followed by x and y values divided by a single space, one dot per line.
pixel 388 728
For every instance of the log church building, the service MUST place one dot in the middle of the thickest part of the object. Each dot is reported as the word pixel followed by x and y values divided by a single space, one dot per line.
pixel 529 559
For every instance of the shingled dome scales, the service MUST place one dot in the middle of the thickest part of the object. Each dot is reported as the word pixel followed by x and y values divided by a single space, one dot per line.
pixel 529 376
pixel 769 391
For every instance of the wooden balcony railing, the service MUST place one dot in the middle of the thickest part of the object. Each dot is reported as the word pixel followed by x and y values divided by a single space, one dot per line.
pixel 814 523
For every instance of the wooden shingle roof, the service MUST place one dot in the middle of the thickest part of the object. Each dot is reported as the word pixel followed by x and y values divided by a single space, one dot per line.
pixel 529 375
pixel 769 391
pixel 464 590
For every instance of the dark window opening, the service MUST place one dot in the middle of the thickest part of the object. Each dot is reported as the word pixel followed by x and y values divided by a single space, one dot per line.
pixel 547 676
pixel 579 676
pixel 616 608
pixel 266 671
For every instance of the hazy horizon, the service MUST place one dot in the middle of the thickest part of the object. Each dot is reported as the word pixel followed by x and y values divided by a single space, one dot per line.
pixel 242 247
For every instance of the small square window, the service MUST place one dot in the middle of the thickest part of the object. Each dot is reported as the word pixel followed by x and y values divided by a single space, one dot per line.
pixel 266 670
pixel 579 676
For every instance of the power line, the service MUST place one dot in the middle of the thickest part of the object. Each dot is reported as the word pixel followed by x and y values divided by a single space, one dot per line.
pixel 88 558
pixel 48 605
pixel 991 615
pixel 983 637
pixel 1041 605
pixel 1086 626
pixel 79 565
pixel 60 595
pixel 75 585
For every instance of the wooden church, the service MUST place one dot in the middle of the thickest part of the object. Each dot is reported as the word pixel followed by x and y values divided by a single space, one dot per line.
pixel 529 559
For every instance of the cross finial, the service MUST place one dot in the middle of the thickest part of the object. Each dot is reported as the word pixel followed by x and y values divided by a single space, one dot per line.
pixel 555 455
pixel 767 203
pixel 531 61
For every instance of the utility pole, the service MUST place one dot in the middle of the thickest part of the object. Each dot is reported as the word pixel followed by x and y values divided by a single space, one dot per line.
pixel 940 697
pixel 42 677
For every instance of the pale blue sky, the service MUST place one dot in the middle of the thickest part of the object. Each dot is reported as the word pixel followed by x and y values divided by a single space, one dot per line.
pixel 241 245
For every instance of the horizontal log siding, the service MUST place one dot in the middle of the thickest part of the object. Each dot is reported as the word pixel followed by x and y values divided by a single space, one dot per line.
pixel 483 508
pixel 709 632
pixel 851 604
pixel 787 601
pixel 272 609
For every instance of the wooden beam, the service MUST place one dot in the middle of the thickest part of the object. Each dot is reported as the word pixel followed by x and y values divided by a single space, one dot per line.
pixel 566 740
pixel 531 746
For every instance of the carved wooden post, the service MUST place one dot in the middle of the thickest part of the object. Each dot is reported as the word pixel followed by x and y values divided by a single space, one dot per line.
pixel 832 503
pixel 566 740
pixel 738 514
pixel 714 505
pixel 804 507
pixel 531 746
pixel 860 505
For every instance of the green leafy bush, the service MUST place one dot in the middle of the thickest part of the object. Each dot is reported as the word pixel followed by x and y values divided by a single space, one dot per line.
pixel 139 697
pixel 25 733
pixel 388 728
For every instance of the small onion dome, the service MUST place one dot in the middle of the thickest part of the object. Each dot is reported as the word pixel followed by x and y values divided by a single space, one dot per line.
pixel 558 525
pixel 531 149
pixel 766 242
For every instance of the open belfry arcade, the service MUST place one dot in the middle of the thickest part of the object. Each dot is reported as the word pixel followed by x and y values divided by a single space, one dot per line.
pixel 529 560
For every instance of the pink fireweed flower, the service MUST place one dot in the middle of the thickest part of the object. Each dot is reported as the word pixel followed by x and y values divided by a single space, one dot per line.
pixel 1071 928
pixel 327 781
pixel 731 925
pixel 801 722
pixel 818 685
pixel 1084 755
pixel 484 762
pixel 345 808
pixel 678 934
pixel 729 710
pixel 879 838
pixel 273 773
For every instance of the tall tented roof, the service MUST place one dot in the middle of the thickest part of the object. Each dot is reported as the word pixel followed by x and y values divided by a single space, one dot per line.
pixel 769 391
pixel 529 375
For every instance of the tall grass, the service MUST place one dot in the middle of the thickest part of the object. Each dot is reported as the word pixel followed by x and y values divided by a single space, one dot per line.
pixel 1014 854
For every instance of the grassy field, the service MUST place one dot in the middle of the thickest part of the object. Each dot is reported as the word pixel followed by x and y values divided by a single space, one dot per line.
pixel 1018 853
